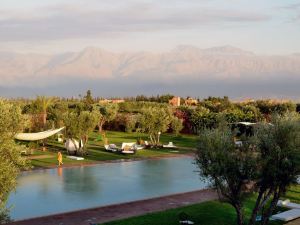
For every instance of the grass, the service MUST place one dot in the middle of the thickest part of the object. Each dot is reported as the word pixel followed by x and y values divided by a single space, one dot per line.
pixel 207 213
pixel 97 153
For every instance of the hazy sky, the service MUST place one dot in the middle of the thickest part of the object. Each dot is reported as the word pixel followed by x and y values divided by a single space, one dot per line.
pixel 51 26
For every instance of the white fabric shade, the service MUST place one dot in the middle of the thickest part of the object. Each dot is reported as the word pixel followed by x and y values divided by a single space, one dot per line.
pixel 37 136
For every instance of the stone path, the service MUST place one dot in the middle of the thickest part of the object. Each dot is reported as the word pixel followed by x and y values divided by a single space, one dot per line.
pixel 121 211
pixel 294 222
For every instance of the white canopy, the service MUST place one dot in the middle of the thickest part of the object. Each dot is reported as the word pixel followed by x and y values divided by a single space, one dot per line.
pixel 37 136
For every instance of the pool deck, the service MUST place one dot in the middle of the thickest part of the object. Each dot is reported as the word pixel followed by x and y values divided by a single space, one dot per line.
pixel 123 210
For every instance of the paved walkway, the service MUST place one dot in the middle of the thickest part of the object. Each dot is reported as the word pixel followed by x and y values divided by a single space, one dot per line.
pixel 294 222
pixel 124 210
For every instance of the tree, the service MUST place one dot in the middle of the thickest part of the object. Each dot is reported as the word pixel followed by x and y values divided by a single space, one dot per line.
pixel 154 121
pixel 228 168
pixel 11 122
pixel 107 113
pixel 279 164
pixel 80 125
pixel 266 164
pixel 88 99
pixel 43 104
pixel 177 125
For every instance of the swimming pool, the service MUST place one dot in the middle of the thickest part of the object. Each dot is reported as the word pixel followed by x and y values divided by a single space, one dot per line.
pixel 44 192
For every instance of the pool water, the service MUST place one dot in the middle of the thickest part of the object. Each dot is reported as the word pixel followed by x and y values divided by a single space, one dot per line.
pixel 52 191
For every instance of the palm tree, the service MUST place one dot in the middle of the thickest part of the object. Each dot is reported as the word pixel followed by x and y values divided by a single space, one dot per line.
pixel 43 104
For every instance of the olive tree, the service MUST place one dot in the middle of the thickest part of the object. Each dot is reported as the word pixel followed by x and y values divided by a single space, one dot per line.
pixel 107 113
pixel 229 169
pixel 177 125
pixel 79 125
pixel 11 122
pixel 266 164
pixel 279 164
pixel 154 121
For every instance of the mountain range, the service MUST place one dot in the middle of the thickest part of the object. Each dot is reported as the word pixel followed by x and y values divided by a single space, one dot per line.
pixel 182 66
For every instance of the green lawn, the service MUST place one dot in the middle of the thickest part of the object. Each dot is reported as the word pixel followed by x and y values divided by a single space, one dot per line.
pixel 96 151
pixel 207 213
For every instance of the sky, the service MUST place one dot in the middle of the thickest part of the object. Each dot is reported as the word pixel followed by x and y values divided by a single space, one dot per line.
pixel 55 26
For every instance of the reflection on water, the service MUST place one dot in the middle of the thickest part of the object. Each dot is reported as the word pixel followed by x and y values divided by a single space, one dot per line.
pixel 82 181
pixel 59 190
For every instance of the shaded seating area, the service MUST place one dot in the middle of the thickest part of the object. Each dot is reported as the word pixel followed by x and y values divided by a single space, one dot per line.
pixel 126 148
pixel 73 145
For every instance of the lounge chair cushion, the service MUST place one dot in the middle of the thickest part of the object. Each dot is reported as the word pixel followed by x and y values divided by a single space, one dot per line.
pixel 112 146
pixel 287 204
pixel 287 215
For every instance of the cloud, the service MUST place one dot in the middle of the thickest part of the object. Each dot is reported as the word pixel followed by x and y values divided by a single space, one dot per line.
pixel 76 21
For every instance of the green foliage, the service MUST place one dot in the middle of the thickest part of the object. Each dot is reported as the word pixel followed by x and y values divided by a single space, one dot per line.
pixel 267 163
pixel 107 113
pixel 42 103
pixel 268 107
pixel 154 121
pixel 11 122
pixel 137 107
pixel 279 163
pixel 56 113
pixel 216 104
pixel 159 98
pixel 176 125
pixel 227 167
pixel 88 99
pixel 79 126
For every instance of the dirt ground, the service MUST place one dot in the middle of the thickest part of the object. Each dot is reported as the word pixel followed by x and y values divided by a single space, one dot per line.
pixel 120 211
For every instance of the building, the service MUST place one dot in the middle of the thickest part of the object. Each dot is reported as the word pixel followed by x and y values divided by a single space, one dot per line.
pixel 191 101
pixel 106 101
pixel 117 100
pixel 175 101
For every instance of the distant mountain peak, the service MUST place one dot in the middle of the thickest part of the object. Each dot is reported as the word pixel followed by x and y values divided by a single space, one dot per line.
pixel 227 49
pixel 183 62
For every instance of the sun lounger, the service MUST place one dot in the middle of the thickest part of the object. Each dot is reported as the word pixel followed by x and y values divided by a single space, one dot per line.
pixel 170 145
pixel 186 222
pixel 238 143
pixel 128 148
pixel 287 215
pixel 75 157
pixel 139 147
pixel 127 152
pixel 286 203
pixel 184 218
pixel 111 148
